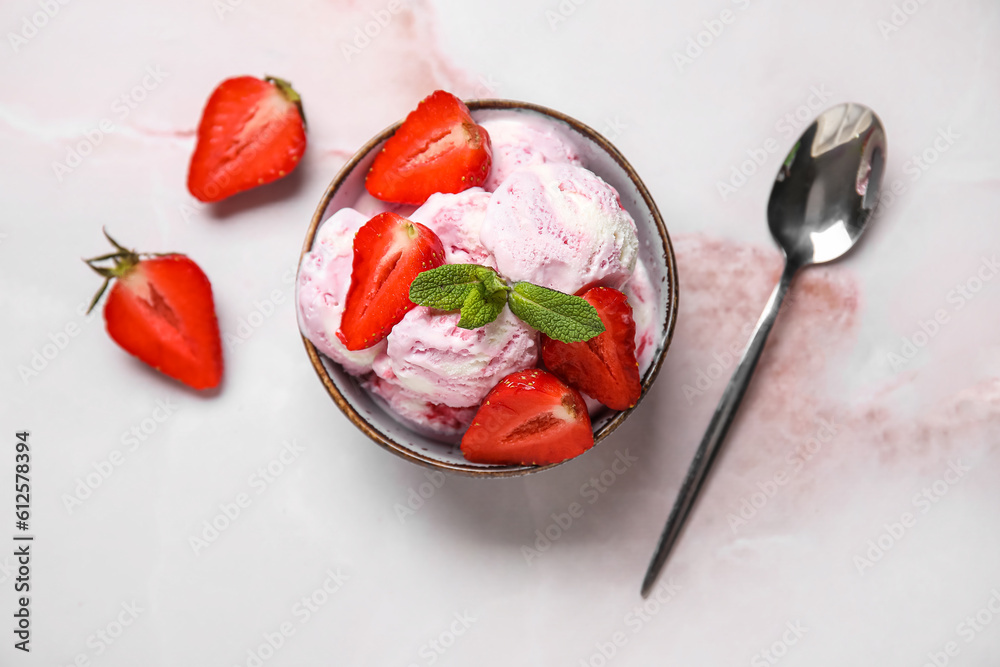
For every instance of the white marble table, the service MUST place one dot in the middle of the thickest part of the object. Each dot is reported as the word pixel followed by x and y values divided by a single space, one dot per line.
pixel 852 518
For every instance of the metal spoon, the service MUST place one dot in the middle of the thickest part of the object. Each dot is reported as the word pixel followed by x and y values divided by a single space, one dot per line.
pixel 822 199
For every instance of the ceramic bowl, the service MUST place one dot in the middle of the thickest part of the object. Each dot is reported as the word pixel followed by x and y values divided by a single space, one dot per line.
pixel 598 155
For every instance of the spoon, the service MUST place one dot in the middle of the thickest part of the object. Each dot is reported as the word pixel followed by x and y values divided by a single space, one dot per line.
pixel 821 201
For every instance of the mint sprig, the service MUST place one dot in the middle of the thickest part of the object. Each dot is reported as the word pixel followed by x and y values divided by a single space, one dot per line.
pixel 480 294
pixel 479 310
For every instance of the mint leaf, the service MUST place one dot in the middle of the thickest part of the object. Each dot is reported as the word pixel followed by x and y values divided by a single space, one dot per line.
pixel 491 281
pixel 446 287
pixel 480 308
pixel 566 318
pixel 480 293
pixel 477 290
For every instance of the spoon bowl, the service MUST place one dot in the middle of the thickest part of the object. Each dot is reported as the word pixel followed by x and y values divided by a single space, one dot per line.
pixel 822 200
pixel 827 188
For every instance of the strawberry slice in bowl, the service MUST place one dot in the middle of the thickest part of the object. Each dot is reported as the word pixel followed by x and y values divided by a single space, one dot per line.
pixel 389 252
pixel 530 418
pixel 604 367
pixel 438 148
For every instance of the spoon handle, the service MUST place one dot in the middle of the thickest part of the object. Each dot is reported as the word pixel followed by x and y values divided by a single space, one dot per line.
pixel 717 429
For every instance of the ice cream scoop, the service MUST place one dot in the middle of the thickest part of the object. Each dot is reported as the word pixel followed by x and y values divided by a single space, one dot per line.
pixel 521 142
pixel 457 220
pixel 433 359
pixel 560 226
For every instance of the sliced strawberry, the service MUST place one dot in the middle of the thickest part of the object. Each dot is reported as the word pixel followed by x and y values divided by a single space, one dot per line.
pixel 438 148
pixel 603 367
pixel 252 132
pixel 160 309
pixel 389 252
pixel 529 418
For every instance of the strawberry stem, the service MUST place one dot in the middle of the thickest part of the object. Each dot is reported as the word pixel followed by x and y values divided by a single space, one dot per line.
pixel 124 261
pixel 289 93
pixel 100 293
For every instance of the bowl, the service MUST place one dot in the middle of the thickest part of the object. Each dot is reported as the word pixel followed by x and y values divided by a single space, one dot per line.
pixel 598 155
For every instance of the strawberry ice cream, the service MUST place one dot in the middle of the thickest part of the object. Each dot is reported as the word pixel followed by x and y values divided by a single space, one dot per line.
pixel 430 357
pixel 434 419
pixel 549 221
pixel 562 227
pixel 322 289
pixel 457 220
pixel 524 142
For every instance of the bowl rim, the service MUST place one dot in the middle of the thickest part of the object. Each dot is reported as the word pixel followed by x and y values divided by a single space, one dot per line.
pixel 669 318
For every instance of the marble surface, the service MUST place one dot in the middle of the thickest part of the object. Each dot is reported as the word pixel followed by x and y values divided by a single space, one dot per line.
pixel 851 519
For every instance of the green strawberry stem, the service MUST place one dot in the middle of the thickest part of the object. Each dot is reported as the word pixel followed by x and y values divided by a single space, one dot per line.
pixel 290 94
pixel 124 261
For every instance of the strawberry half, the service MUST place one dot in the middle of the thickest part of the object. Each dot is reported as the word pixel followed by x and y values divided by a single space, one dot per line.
pixel 438 148
pixel 389 252
pixel 529 418
pixel 605 366
pixel 160 309
pixel 252 132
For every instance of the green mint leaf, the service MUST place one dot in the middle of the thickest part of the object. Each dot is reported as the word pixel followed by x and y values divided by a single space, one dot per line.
pixel 492 281
pixel 566 318
pixel 446 287
pixel 481 308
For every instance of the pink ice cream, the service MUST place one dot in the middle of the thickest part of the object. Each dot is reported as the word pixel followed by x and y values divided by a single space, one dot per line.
pixel 642 297
pixel 431 358
pixel 550 221
pixel 560 226
pixel 323 280
pixel 524 142
pixel 457 219
pixel 434 419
